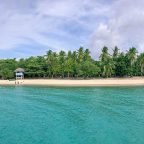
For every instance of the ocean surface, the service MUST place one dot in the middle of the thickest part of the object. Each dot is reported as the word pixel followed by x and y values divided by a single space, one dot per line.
pixel 53 115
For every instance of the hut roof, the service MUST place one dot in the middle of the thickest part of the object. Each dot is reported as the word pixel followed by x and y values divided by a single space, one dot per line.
pixel 19 70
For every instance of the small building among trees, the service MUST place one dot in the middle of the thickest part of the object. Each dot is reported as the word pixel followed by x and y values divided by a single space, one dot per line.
pixel 19 73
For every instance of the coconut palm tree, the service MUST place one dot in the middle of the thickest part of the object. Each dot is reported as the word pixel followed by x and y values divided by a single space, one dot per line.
pixel 115 52
pixel 141 57
pixel 68 64
pixel 62 58
pixel 87 56
pixel 132 54
pixel 75 63
pixel 105 54
pixel 80 54
pixel 74 56
pixel 49 60
pixel 108 68
pixel 107 63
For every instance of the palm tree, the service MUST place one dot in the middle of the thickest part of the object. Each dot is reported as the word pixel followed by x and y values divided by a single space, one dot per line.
pixel 115 52
pixel 106 63
pixel 108 68
pixel 52 63
pixel 132 55
pixel 68 64
pixel 80 54
pixel 49 59
pixel 62 56
pixel 74 56
pixel 75 63
pixel 104 55
pixel 87 56
pixel 142 62
pixel 55 64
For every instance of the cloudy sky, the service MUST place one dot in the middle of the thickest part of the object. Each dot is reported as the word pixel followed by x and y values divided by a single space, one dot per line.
pixel 32 27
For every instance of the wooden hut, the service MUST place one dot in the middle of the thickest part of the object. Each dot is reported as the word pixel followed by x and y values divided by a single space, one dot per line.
pixel 19 73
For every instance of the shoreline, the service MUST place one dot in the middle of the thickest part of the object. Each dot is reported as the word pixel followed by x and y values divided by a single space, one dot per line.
pixel 111 82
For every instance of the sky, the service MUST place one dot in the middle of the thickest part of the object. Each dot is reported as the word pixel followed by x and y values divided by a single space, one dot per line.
pixel 32 27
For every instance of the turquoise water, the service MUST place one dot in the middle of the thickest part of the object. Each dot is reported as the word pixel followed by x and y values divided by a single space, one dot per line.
pixel 41 115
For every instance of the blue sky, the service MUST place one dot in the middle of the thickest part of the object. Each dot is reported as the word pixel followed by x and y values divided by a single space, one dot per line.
pixel 32 27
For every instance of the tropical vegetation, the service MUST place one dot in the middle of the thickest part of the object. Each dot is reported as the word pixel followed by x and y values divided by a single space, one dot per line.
pixel 77 64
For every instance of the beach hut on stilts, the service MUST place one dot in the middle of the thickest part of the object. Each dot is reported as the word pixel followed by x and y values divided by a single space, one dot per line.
pixel 19 73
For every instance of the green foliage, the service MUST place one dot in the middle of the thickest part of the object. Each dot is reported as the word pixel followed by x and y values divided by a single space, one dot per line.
pixel 140 63
pixel 89 69
pixel 115 52
pixel 77 64
pixel 6 73
pixel 7 68
pixel 121 65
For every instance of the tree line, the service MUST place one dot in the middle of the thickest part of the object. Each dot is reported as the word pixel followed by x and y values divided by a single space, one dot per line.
pixel 77 64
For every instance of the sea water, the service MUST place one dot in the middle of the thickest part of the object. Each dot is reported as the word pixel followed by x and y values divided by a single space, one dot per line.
pixel 54 115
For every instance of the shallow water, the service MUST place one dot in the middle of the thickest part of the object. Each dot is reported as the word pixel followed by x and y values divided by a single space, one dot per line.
pixel 42 115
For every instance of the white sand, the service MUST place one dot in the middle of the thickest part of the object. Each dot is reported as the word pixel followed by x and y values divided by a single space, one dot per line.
pixel 94 82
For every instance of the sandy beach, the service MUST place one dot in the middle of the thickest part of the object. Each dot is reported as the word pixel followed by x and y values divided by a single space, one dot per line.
pixel 94 82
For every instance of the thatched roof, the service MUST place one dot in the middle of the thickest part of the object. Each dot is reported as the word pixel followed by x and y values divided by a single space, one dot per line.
pixel 19 70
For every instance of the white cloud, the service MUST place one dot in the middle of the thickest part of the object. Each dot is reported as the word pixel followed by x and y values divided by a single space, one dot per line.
pixel 124 27
pixel 58 8
pixel 67 24
pixel 18 20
